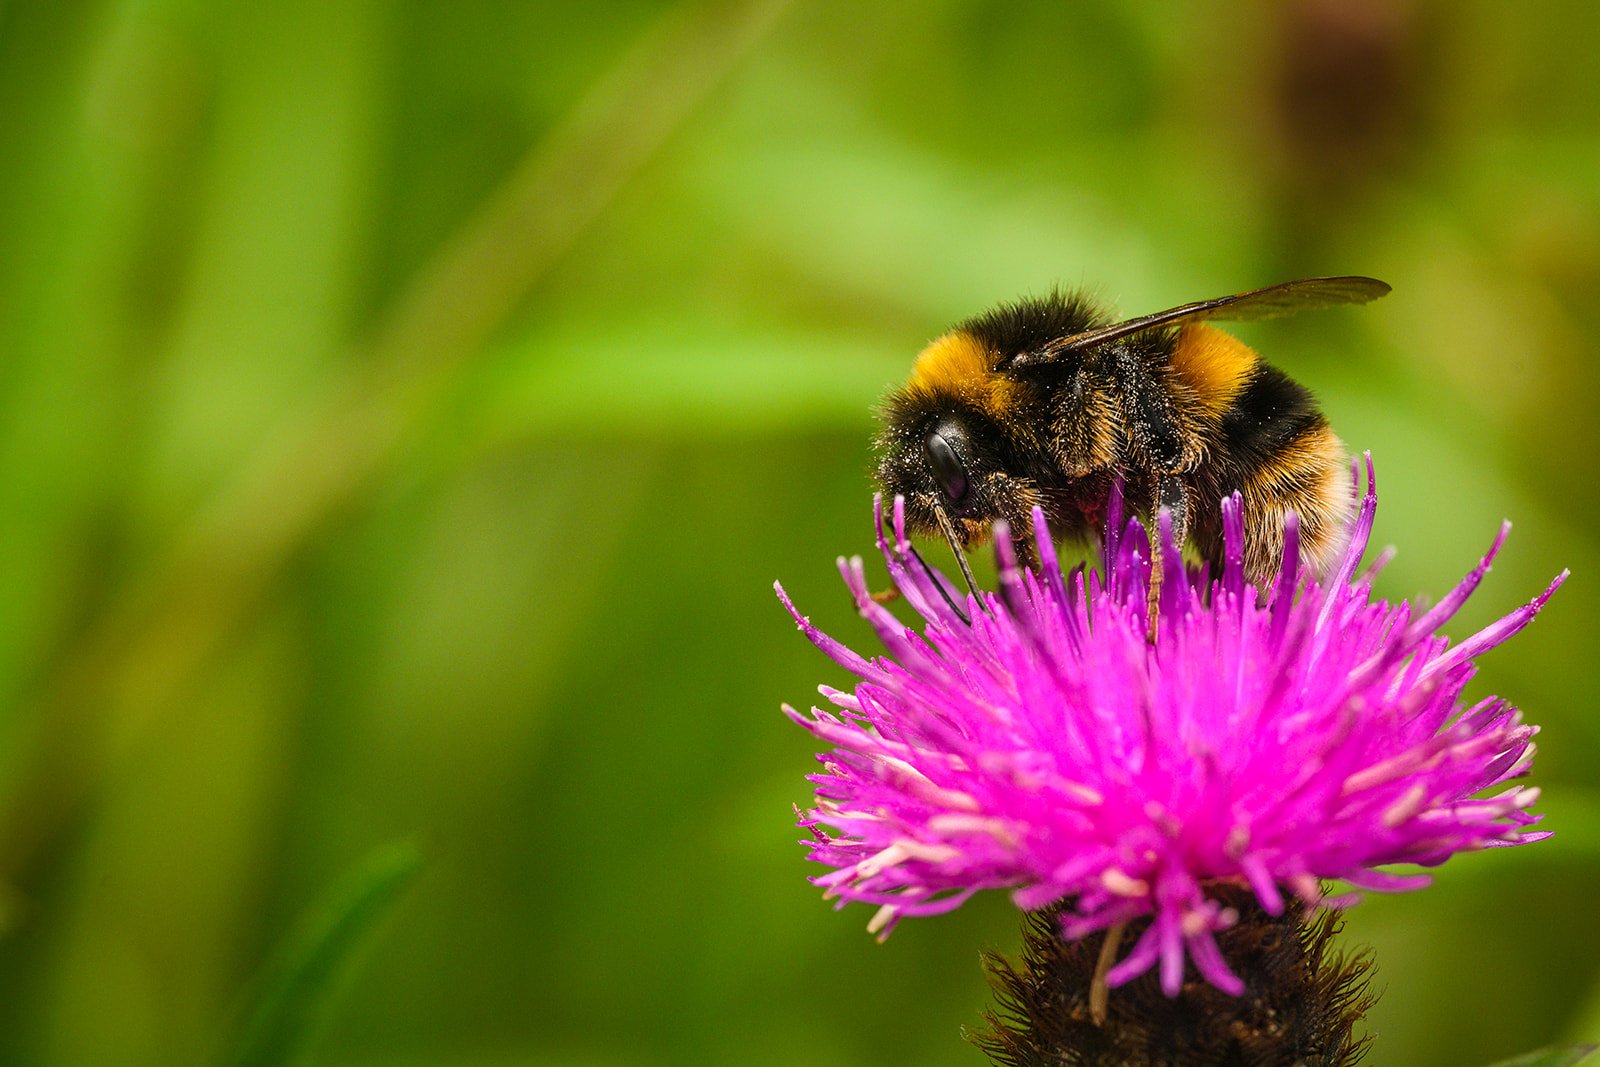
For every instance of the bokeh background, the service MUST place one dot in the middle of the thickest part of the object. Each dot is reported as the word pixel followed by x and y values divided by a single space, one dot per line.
pixel 406 407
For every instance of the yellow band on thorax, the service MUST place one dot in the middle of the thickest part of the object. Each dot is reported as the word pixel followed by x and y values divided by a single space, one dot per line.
pixel 959 365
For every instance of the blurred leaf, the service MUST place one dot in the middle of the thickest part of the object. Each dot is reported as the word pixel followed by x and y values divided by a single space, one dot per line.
pixel 1549 1057
pixel 292 994
pixel 650 376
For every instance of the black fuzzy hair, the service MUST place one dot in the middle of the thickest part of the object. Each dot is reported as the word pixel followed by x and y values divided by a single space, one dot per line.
pixel 1029 323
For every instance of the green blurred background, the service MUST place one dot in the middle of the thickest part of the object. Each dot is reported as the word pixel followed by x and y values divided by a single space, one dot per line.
pixel 405 409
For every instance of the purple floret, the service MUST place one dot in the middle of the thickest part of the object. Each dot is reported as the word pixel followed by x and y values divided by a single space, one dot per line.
pixel 1269 739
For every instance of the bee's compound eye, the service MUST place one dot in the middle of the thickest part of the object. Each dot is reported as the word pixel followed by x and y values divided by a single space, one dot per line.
pixel 947 468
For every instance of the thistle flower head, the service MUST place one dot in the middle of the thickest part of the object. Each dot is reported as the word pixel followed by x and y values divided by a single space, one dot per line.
pixel 1271 739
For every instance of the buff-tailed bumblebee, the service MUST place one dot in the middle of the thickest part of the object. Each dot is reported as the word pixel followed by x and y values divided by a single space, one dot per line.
pixel 1047 402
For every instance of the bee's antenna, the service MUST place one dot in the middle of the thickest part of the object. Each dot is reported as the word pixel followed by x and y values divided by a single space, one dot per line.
pixel 955 546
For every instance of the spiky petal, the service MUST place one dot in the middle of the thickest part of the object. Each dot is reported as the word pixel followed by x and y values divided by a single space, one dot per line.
pixel 1272 739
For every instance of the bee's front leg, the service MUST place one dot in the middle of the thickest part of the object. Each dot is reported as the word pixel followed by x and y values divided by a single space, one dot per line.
pixel 1173 495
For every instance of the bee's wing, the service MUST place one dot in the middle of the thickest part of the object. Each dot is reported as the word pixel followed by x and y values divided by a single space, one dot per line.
pixel 1286 298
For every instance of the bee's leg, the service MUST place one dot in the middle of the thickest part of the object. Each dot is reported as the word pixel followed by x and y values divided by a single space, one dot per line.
pixel 1158 437
pixel 1174 496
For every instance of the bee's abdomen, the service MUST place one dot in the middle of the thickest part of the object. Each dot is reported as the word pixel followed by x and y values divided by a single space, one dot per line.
pixel 1270 416
pixel 1282 456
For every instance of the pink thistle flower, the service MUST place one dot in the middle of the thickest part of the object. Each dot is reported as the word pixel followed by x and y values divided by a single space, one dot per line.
pixel 1271 739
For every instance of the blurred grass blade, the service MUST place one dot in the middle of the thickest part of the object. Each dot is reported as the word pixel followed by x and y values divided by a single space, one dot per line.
pixel 1550 1057
pixel 336 444
pixel 292 994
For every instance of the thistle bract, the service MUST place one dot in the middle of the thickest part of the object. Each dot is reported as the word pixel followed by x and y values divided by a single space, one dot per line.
pixel 1270 739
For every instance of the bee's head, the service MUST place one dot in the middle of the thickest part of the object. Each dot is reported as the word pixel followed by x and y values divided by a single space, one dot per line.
pixel 947 460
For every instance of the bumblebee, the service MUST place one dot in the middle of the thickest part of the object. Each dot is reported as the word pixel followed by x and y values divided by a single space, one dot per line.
pixel 1047 401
